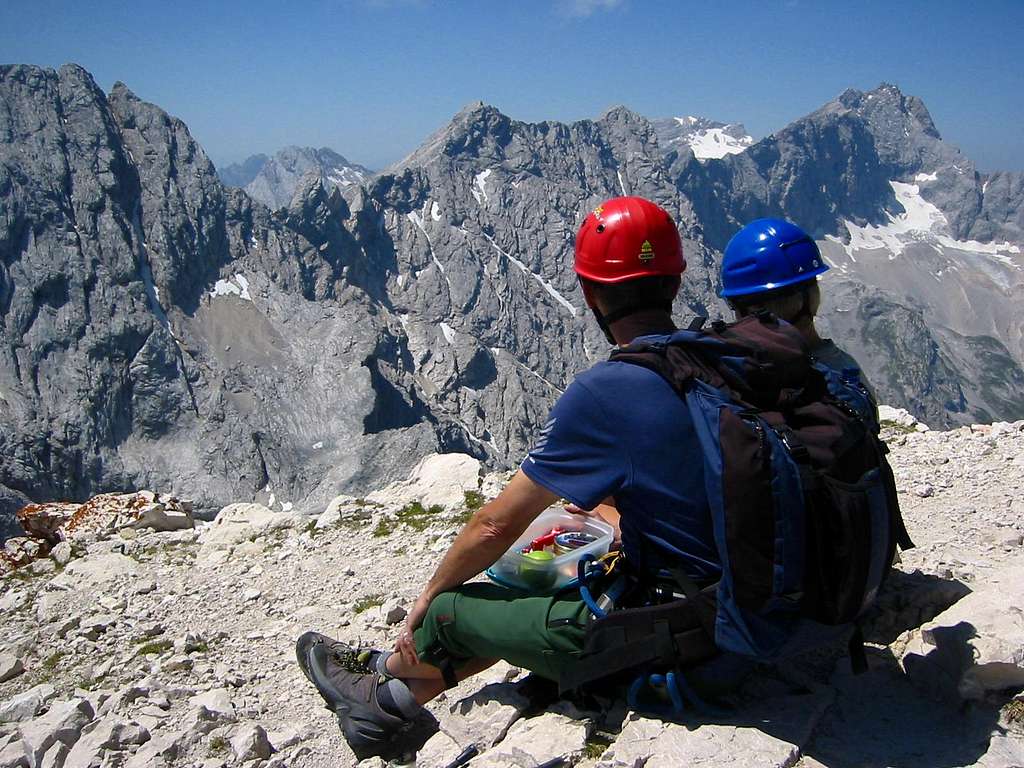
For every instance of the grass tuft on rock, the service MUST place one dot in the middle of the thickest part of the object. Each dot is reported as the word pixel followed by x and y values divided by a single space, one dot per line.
pixel 155 647
pixel 366 603
pixel 417 517
pixel 218 746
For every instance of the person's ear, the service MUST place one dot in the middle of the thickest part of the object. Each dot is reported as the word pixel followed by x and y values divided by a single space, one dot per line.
pixel 588 294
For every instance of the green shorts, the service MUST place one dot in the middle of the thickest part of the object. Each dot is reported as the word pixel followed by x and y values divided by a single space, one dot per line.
pixel 541 633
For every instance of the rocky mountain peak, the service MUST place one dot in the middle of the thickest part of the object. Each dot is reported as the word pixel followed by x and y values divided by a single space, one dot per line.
pixel 888 98
pixel 474 126
pixel 274 180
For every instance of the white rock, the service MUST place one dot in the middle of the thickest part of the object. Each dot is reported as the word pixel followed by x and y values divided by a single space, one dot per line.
pixel 250 742
pixel 67 626
pixel 94 570
pixel 217 701
pixel 439 751
pixel 293 734
pixel 898 416
pixel 12 755
pixel 62 724
pixel 165 517
pixel 177 663
pixel 536 740
pixel 161 750
pixel 12 600
pixel 27 704
pixel 441 479
pixel 61 553
pixel 238 523
pixel 55 756
pixel 484 717
pixel 110 732
pixel 10 667
pixel 976 645
pixel 51 606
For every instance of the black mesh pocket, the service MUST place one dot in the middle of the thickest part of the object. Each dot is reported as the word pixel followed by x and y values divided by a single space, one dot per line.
pixel 848 535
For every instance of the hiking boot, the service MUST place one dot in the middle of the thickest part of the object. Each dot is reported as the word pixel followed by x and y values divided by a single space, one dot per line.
pixel 342 677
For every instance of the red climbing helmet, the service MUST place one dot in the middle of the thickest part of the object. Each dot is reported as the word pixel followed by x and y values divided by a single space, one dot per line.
pixel 626 238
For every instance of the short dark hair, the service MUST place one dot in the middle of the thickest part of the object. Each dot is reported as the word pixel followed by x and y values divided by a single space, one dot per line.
pixel 652 291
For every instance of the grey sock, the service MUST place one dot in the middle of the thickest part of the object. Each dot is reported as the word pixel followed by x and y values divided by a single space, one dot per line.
pixel 395 697
pixel 378 660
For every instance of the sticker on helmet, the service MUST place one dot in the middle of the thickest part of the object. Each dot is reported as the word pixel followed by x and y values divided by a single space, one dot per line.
pixel 598 211
pixel 646 251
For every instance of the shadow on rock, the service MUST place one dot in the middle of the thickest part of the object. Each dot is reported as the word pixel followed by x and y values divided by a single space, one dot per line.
pixel 908 600
pixel 881 718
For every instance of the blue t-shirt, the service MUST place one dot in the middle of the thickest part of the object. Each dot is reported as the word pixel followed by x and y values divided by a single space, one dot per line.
pixel 621 430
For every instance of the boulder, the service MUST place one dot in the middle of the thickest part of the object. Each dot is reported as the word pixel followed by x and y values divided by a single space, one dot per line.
pixel 342 508
pixel 250 742
pixel 290 735
pixel 440 479
pixel 158 751
pixel 27 704
pixel 217 702
pixel 439 751
pixel 62 724
pixel 975 646
pixel 536 740
pixel 900 418
pixel 484 717
pixel 61 553
pixel 94 570
pixel 238 523
pixel 104 515
pixel 12 754
pixel 55 756
pixel 10 667
pixel 108 733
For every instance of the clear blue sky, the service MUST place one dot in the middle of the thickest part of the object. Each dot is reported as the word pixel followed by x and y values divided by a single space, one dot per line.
pixel 372 78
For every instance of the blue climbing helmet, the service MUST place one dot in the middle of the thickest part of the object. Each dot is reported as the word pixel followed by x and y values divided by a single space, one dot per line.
pixel 769 254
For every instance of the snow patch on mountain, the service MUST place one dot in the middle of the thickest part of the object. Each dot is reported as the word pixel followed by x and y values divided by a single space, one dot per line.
pixel 707 139
pixel 920 222
pixel 716 143
pixel 239 288
pixel 449 333
pixel 480 186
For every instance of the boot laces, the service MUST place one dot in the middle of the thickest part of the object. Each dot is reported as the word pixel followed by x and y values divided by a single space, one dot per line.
pixel 354 659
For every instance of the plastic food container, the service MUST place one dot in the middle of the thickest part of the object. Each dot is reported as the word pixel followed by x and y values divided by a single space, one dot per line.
pixel 549 570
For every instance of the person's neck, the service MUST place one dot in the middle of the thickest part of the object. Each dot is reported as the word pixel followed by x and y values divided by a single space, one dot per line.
pixel 643 323
pixel 810 333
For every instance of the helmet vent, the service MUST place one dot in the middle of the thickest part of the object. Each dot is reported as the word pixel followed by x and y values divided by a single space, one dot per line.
pixel 600 227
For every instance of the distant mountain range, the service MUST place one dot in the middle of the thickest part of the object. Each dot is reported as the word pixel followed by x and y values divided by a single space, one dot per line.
pixel 273 180
pixel 160 329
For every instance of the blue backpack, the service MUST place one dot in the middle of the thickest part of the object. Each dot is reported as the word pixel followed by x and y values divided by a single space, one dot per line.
pixel 803 502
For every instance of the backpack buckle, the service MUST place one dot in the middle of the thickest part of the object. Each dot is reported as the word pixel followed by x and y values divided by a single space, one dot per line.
pixel 796 449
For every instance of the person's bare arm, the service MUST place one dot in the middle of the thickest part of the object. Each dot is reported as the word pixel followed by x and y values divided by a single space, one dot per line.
pixel 487 536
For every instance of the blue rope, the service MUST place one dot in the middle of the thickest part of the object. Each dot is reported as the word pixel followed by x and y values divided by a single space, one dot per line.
pixel 584 578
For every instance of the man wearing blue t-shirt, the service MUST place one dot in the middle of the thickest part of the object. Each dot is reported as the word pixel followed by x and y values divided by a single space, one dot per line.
pixel 620 434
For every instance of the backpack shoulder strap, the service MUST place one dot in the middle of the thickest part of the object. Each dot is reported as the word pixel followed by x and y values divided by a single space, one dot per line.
pixel 679 362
